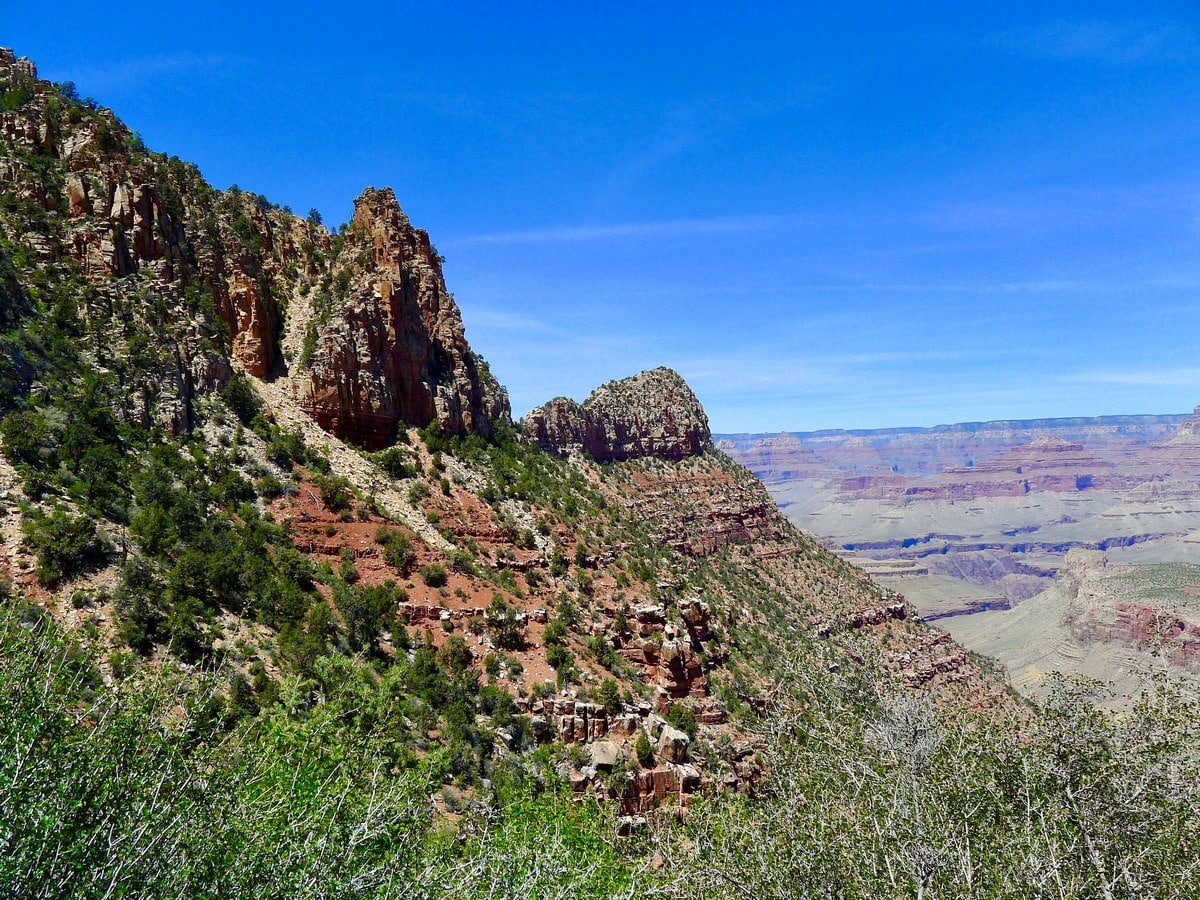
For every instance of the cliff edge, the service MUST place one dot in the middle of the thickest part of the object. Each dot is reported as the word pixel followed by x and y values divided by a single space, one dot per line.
pixel 651 414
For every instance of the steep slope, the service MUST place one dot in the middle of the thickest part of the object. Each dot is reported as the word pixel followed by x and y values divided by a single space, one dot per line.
pixel 238 441
pixel 243 656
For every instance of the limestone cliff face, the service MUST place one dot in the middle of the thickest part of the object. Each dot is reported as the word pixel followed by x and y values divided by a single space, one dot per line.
pixel 653 413
pixel 209 278
pixel 1189 429
pixel 394 350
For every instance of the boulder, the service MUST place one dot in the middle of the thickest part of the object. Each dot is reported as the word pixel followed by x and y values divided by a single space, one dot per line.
pixel 605 754
pixel 673 745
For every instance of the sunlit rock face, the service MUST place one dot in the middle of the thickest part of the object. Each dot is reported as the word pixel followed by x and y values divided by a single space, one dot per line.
pixel 393 350
pixel 652 414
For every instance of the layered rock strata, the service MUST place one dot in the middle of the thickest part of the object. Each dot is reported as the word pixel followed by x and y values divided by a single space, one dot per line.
pixel 394 350
pixel 652 414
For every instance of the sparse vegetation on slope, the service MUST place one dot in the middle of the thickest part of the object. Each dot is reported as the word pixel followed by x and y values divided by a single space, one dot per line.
pixel 239 657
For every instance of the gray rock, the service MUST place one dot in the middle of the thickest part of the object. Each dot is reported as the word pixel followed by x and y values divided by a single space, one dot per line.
pixel 673 745
pixel 605 754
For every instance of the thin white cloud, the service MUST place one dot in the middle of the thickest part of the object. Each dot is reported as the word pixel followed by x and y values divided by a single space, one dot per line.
pixel 667 228
pixel 790 373
pixel 1057 208
pixel 1127 43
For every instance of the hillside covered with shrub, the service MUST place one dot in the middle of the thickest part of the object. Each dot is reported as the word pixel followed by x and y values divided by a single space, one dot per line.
pixel 291 607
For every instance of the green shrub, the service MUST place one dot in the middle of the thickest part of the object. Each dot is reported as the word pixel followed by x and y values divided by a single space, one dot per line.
pixel 461 561
pixel 336 491
pixel 270 487
pixel 63 545
pixel 435 438
pixel 643 750
pixel 433 575
pixel 610 696
pixel 366 611
pixel 555 633
pixel 241 398
pixel 491 665
pixel 682 717
pixel 397 549
pixel 455 655
pixel 286 448
pixel 396 462
pixel 506 624
pixel 559 657
pixel 26 438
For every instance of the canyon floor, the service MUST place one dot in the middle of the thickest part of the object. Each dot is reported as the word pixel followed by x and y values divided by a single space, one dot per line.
pixel 972 523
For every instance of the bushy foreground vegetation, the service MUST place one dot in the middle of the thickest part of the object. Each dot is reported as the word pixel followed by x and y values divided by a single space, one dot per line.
pixel 152 789
pixel 138 791
pixel 882 796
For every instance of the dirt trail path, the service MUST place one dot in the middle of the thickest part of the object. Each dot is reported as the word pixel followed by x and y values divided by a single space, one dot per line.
pixel 280 398
pixel 10 518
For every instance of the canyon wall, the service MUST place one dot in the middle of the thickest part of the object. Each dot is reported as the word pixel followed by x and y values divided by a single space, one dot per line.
pixel 200 282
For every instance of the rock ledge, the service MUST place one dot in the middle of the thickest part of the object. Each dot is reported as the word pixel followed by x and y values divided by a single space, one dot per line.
pixel 653 413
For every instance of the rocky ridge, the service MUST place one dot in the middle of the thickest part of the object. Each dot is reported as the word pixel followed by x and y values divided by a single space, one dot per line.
pixel 393 350
pixel 208 277
pixel 651 414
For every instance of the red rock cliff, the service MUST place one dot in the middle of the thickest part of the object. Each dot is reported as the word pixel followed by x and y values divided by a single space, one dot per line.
pixel 392 349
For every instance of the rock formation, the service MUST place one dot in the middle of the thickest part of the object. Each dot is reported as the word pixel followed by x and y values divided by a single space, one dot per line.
pixel 155 244
pixel 394 350
pixel 653 413
pixel 1125 624
pixel 976 516
pixel 1189 428
pixel 166 286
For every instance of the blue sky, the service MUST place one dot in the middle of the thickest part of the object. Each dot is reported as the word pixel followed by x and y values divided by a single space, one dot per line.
pixel 878 215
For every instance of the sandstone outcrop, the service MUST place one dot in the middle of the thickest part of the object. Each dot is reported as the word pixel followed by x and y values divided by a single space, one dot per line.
pixel 156 244
pixel 652 414
pixel 394 350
